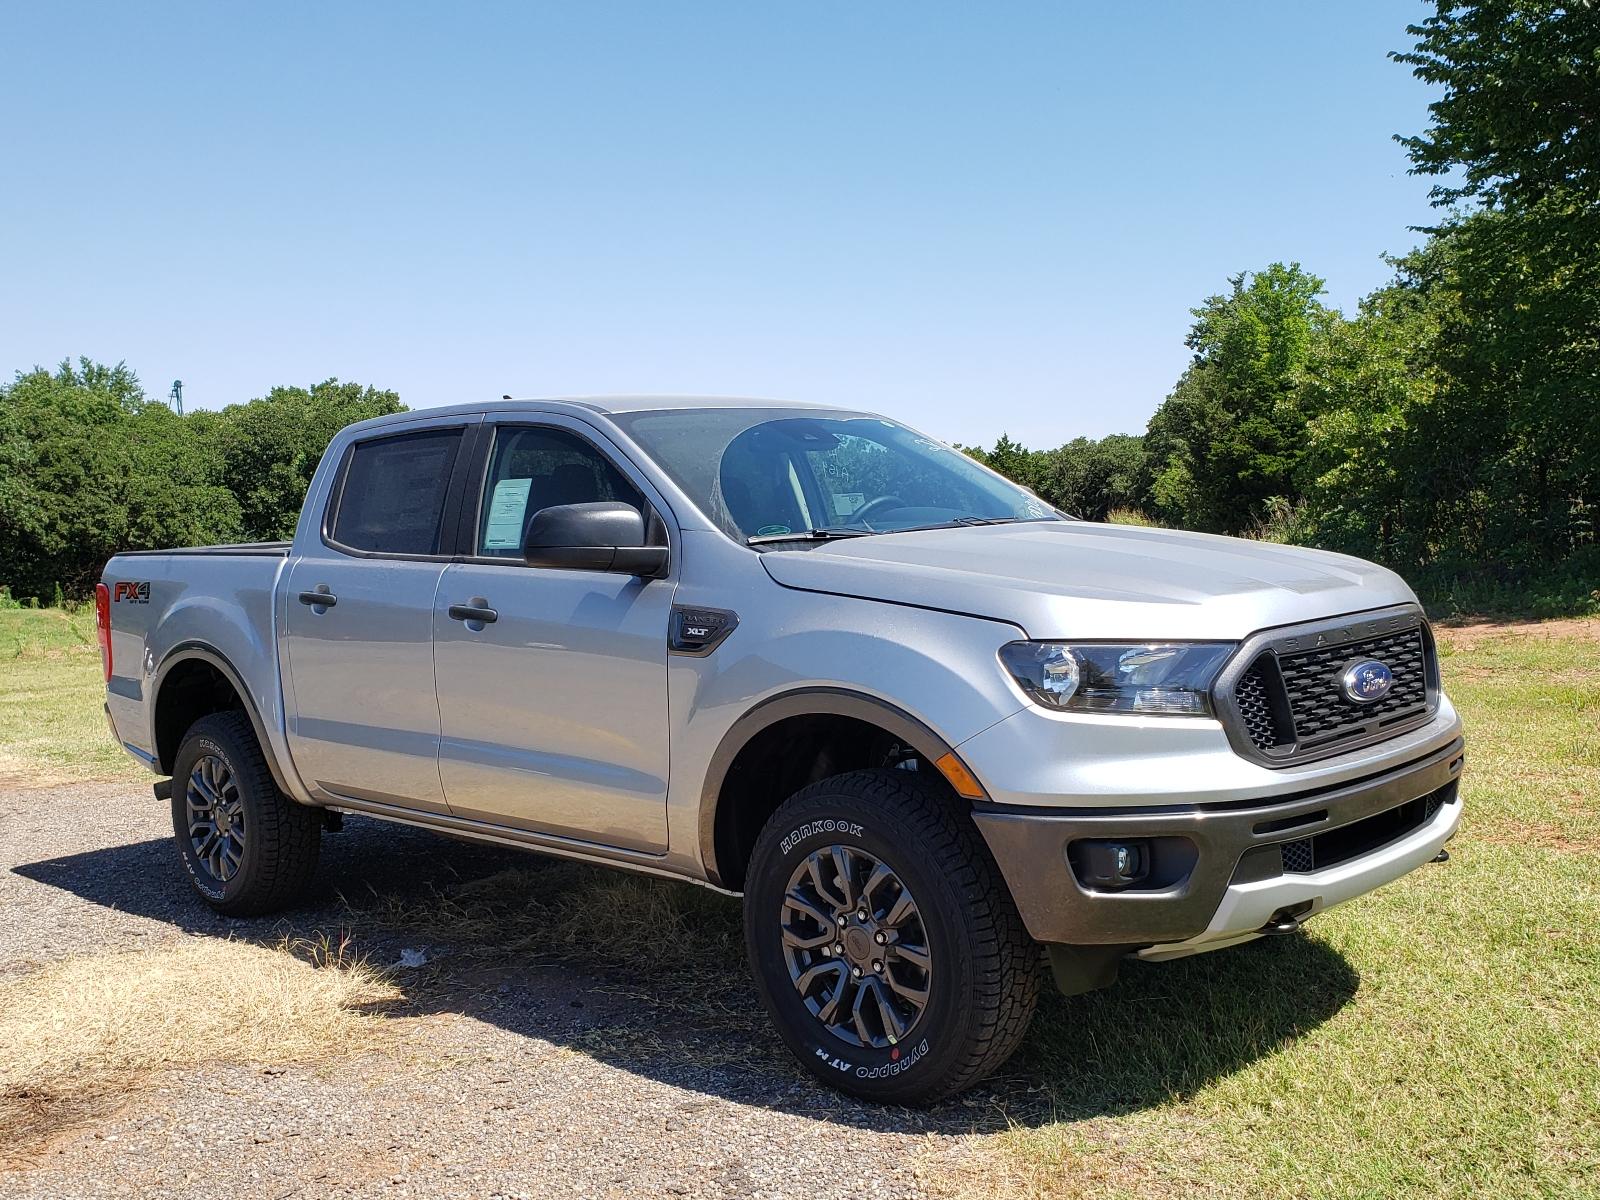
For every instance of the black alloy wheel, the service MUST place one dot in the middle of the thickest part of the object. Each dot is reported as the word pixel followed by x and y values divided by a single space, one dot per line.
pixel 216 818
pixel 855 946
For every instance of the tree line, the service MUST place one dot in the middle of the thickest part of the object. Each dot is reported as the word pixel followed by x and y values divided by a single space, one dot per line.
pixel 90 466
pixel 1451 425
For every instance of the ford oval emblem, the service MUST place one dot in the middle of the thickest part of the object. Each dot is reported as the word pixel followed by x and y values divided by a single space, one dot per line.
pixel 1366 681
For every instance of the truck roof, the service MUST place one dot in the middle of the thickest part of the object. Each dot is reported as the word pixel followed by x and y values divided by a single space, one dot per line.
pixel 603 404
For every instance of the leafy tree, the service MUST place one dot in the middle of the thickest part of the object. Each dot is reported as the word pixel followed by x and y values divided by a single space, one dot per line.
pixel 89 466
pixel 1092 478
pixel 1519 116
pixel 1231 435
pixel 94 467
pixel 1515 285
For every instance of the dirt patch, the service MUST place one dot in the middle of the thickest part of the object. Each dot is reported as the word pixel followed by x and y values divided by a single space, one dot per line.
pixel 78 1037
pixel 1541 835
pixel 17 775
pixel 1463 633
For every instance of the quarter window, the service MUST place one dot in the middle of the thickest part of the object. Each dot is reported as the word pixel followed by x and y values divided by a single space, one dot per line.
pixel 535 467
pixel 393 496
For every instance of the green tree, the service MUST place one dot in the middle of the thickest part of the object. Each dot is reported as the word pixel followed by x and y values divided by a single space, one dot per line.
pixel 1091 478
pixel 94 467
pixel 1230 437
pixel 1514 285
pixel 1520 114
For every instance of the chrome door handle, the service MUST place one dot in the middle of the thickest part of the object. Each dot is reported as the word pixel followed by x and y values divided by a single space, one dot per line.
pixel 321 598
pixel 477 610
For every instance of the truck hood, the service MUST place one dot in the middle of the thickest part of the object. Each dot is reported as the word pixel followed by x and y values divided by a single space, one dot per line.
pixel 1080 579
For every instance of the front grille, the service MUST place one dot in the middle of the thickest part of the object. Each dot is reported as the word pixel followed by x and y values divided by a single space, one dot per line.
pixel 1289 703
pixel 1317 703
pixel 1339 845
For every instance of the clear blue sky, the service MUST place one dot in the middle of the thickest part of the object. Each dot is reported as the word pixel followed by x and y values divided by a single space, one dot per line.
pixel 974 217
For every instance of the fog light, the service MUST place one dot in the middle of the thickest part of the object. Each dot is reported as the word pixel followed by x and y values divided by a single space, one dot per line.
pixel 1108 865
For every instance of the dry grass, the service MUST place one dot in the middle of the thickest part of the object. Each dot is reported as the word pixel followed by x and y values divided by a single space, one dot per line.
pixel 78 1037
pixel 677 936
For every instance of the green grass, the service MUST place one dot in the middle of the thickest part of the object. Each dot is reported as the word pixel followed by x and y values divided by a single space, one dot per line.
pixel 52 728
pixel 1440 1037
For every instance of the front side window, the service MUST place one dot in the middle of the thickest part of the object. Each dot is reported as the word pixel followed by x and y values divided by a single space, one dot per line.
pixel 765 474
pixel 535 467
pixel 393 495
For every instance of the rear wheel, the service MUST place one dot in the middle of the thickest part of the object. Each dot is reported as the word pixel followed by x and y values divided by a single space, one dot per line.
pixel 884 943
pixel 248 848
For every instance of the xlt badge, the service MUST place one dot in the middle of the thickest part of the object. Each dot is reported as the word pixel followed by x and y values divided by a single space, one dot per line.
pixel 699 631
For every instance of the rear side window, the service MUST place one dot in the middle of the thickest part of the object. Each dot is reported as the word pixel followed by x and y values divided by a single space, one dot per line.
pixel 392 498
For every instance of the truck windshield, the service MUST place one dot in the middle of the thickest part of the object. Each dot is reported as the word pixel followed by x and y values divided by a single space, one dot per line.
pixel 761 474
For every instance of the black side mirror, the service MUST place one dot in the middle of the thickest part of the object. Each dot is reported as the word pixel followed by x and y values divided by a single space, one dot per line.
pixel 600 536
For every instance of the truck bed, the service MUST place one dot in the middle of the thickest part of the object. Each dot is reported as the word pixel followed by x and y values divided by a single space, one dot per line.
pixel 258 549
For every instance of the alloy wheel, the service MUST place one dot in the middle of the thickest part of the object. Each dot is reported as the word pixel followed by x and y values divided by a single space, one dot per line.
pixel 856 947
pixel 216 817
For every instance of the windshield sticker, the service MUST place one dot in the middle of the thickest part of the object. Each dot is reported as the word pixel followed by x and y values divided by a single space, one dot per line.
pixel 769 530
pixel 506 509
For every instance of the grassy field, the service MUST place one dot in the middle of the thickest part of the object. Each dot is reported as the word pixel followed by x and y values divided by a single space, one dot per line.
pixel 1438 1038
pixel 52 728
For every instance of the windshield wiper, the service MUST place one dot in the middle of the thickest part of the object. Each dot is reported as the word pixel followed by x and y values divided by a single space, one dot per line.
pixel 807 535
pixel 957 522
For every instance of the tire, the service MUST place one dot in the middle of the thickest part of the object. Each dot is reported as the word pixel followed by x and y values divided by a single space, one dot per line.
pixel 269 856
pixel 981 980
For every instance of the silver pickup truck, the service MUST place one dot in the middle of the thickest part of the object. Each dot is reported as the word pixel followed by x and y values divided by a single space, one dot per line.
pixel 924 723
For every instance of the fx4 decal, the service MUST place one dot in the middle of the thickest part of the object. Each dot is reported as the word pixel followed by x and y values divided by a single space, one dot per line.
pixel 133 593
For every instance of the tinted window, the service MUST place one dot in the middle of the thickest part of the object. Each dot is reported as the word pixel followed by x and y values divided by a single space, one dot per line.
pixel 535 467
pixel 394 490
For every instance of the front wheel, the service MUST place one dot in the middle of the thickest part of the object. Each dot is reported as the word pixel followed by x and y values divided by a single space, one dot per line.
pixel 884 943
pixel 248 848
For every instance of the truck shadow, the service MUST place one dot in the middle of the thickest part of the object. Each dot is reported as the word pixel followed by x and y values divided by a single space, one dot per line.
pixel 649 976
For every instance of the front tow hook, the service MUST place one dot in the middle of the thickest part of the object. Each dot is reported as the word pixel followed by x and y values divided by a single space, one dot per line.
pixel 1286 920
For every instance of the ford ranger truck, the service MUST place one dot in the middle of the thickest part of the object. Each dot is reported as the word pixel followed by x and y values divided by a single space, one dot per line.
pixel 923 723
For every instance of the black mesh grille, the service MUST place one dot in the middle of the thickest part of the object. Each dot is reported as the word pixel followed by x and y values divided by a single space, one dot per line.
pixel 1297 855
pixel 1291 704
pixel 1256 708
pixel 1320 708
pixel 1364 836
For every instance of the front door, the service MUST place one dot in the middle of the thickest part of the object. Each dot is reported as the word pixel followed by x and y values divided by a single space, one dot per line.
pixel 554 713
pixel 363 720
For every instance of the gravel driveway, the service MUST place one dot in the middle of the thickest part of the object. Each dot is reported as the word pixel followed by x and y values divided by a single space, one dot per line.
pixel 504 1078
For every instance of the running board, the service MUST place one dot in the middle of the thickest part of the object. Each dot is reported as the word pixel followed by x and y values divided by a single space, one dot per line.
pixel 502 835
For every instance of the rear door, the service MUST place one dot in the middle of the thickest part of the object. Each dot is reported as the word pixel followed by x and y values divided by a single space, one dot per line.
pixel 553 714
pixel 364 722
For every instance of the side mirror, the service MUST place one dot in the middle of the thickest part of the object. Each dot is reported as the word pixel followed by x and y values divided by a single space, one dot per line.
pixel 601 536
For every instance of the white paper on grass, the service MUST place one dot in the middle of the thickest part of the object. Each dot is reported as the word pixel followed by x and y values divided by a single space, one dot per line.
pixel 507 507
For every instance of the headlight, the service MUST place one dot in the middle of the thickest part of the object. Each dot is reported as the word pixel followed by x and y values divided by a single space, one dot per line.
pixel 1170 679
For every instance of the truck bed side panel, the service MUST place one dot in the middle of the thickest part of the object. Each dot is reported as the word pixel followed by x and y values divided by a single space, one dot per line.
pixel 221 604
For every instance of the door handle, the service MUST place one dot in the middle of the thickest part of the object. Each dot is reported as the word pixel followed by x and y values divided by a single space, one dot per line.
pixel 322 597
pixel 477 609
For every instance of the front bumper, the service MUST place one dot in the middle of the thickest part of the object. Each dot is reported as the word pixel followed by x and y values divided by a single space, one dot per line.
pixel 1221 872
